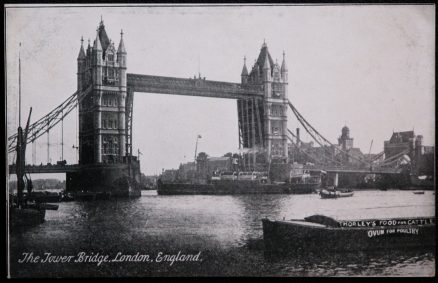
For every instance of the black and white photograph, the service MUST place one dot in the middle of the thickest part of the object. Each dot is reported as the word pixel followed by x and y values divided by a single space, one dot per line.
pixel 205 140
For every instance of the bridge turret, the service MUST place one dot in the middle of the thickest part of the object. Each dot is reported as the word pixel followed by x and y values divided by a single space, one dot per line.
pixel 81 65
pixel 121 51
pixel 121 59
pixel 244 74
pixel 97 59
pixel 81 55
pixel 284 70
pixel 266 67
pixel 88 54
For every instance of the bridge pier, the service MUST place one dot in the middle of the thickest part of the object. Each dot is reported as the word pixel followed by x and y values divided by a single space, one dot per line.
pixel 119 179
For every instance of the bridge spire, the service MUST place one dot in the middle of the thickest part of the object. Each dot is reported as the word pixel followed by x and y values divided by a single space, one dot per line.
pixel 283 64
pixel 266 65
pixel 244 75
pixel 81 50
pixel 97 45
pixel 284 70
pixel 244 69
pixel 121 48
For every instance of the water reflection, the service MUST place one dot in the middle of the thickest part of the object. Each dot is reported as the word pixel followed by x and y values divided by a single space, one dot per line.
pixel 227 229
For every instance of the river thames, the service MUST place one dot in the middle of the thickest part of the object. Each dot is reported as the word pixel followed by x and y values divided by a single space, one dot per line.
pixel 213 235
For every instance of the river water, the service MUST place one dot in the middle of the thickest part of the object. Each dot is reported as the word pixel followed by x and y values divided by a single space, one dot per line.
pixel 226 230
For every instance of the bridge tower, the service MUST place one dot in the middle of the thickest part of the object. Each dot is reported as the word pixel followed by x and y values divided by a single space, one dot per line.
pixel 263 122
pixel 102 134
pixel 102 85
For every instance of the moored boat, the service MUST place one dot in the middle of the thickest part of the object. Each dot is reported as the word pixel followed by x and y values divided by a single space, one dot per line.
pixel 320 233
pixel 327 193
pixel 44 196
pixel 300 182
pixel 26 216
pixel 66 196
pixel 21 211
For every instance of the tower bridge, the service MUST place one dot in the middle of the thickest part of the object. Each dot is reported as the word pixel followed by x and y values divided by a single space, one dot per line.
pixel 105 97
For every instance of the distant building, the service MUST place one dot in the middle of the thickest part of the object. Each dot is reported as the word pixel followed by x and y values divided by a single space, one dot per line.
pixel 207 166
pixel 349 155
pixel 187 171
pixel 343 153
pixel 398 143
pixel 219 163
pixel 169 175
pixel 421 157
pixel 344 141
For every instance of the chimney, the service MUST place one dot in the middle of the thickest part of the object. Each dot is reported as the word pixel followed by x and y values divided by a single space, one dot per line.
pixel 298 136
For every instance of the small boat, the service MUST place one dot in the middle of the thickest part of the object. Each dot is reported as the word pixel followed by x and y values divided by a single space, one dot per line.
pixel 322 233
pixel 67 197
pixel 332 193
pixel 419 192
pixel 49 206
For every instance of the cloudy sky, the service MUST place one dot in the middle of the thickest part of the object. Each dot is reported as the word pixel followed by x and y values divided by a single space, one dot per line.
pixel 368 67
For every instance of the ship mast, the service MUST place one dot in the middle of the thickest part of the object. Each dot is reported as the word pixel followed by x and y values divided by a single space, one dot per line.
pixel 19 167
pixel 21 142
pixel 19 86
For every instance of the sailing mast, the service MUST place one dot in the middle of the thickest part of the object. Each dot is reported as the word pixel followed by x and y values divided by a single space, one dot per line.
pixel 19 169
pixel 21 141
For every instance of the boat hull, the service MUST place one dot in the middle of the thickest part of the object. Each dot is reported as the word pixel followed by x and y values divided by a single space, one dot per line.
pixel 233 187
pixel 21 217
pixel 286 236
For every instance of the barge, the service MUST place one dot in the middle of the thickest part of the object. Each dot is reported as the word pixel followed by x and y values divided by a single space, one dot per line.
pixel 323 233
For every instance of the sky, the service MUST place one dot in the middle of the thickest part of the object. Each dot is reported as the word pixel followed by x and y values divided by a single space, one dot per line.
pixel 370 67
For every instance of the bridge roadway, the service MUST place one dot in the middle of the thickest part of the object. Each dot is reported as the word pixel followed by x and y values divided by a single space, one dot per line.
pixel 192 87
pixel 75 167
pixel 47 168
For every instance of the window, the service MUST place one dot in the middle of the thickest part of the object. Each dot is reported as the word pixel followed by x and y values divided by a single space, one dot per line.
pixel 105 145
pixel 104 124
pixel 116 145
